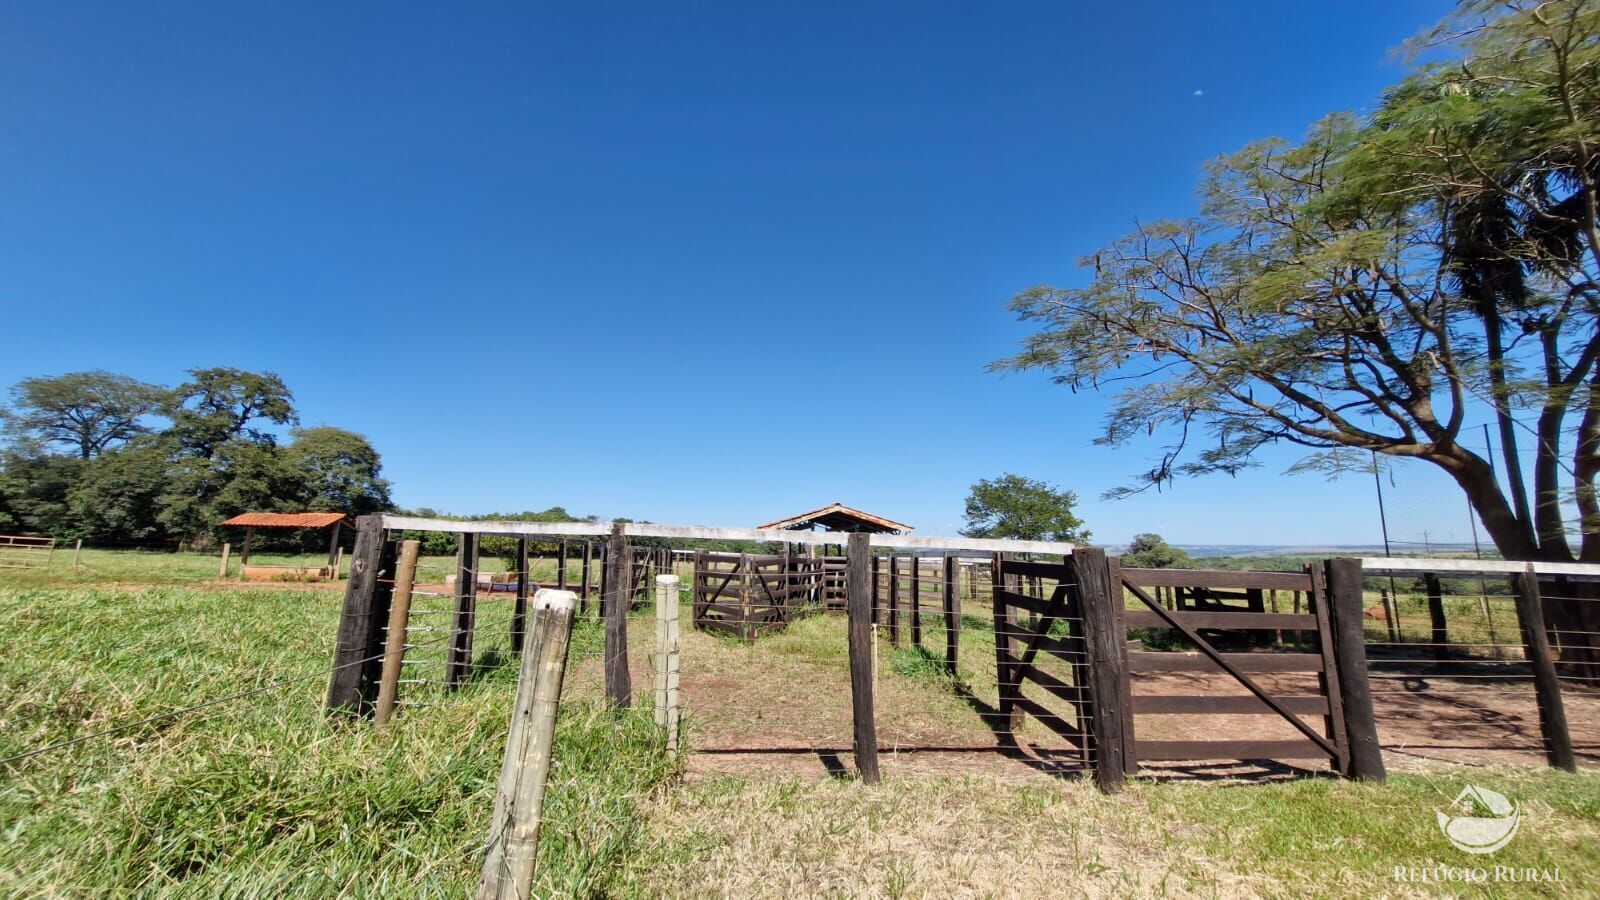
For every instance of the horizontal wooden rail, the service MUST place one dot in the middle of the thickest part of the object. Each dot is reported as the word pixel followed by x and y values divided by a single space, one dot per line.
pixel 1397 564
pixel 1240 704
pixel 1245 662
pixel 1218 578
pixel 708 533
pixel 1176 750
pixel 1244 621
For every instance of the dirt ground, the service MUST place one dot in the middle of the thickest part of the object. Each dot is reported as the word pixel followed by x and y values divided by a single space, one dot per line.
pixel 781 707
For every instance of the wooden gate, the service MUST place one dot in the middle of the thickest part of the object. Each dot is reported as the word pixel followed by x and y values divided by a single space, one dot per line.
pixel 1137 650
pixel 747 596
pixel 1230 641
pixel 1040 647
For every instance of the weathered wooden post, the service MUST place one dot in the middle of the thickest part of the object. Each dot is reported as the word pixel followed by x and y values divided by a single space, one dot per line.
pixel 1005 627
pixel 952 613
pixel 394 650
pixel 614 603
pixel 916 600
pixel 667 713
pixel 1546 686
pixel 561 565
pixel 465 621
pixel 518 803
pixel 1345 606
pixel 858 606
pixel 894 598
pixel 519 612
pixel 358 650
pixel 583 592
pixel 1107 644
pixel 77 553
pixel 222 570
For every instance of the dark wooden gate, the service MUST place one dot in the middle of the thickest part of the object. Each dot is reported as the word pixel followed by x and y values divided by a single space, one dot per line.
pixel 1259 647
pixel 1227 639
pixel 1040 651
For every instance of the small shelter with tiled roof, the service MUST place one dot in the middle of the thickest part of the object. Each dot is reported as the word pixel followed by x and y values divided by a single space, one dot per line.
pixel 838 517
pixel 250 521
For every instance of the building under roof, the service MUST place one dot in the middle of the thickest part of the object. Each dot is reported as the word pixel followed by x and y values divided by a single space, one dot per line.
pixel 838 517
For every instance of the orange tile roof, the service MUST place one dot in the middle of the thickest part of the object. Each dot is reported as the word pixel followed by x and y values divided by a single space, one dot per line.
pixel 286 520
pixel 840 509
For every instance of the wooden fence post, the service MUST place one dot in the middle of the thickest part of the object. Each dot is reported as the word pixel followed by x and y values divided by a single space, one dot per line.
pixel 894 598
pixel 1005 628
pixel 1346 608
pixel 916 600
pixel 952 613
pixel 1107 644
pixel 561 565
pixel 518 803
pixel 583 593
pixel 519 612
pixel 222 570
pixel 1546 686
pixel 394 649
pixel 77 553
pixel 667 712
pixel 465 621
pixel 358 650
pixel 614 603
pixel 858 606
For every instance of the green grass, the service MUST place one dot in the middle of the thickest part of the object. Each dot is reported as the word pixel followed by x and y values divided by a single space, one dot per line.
pixel 264 796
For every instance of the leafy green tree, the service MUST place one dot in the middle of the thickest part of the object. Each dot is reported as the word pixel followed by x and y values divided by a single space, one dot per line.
pixel 1342 294
pixel 1151 551
pixel 1013 506
pixel 87 411
pixel 118 496
pixel 35 488
pixel 340 471
pixel 223 404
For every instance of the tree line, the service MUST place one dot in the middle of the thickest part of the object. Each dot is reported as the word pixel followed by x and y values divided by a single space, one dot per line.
pixel 109 458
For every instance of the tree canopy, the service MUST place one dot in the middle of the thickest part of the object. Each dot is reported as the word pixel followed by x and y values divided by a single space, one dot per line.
pixel 87 411
pixel 1151 551
pixel 1374 287
pixel 1021 508
pixel 127 480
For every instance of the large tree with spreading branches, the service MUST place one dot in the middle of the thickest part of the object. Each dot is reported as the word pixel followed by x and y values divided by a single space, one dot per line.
pixel 1375 287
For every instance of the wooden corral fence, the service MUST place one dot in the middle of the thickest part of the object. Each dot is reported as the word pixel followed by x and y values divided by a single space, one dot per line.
pixel 747 596
pixel 1127 667
pixel 921 588
pixel 23 552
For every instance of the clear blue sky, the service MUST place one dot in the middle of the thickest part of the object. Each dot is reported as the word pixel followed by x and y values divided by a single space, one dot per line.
pixel 710 263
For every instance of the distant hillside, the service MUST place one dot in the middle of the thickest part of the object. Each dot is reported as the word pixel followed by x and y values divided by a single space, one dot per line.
pixel 1214 550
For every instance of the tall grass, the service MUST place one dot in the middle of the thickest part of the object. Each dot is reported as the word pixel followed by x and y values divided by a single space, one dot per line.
pixel 265 796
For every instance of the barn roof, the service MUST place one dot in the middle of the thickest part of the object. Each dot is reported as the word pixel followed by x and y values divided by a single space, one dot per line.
pixel 838 517
pixel 286 520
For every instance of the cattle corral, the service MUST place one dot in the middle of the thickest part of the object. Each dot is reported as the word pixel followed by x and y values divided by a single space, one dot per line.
pixel 982 659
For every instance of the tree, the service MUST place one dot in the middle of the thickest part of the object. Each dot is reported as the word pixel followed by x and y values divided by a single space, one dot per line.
pixel 1020 508
pixel 223 404
pixel 1151 551
pixel 118 496
pixel 340 471
pixel 87 411
pixel 1341 294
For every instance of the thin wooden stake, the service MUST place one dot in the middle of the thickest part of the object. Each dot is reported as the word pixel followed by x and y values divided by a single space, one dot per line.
pixel 77 553
pixel 394 650
pixel 518 804
pixel 222 570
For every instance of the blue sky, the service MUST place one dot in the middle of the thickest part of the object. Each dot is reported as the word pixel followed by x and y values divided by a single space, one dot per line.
pixel 711 263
